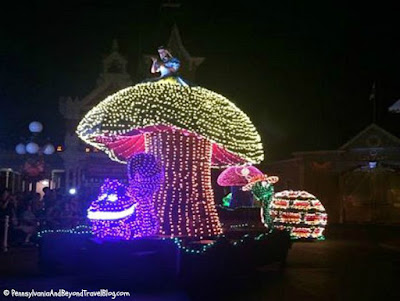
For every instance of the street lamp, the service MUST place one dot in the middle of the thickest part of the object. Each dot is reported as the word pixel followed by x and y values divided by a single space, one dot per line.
pixel 33 151
pixel 33 148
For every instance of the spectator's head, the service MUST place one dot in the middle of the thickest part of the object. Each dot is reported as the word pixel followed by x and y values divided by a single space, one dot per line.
pixel 46 190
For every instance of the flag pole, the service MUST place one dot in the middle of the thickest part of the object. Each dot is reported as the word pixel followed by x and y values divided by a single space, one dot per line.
pixel 372 97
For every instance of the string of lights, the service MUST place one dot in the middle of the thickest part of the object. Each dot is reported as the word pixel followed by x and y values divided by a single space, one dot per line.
pixel 194 249
pixel 299 212
pixel 78 230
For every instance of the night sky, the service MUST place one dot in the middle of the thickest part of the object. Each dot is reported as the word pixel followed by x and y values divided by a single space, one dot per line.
pixel 302 71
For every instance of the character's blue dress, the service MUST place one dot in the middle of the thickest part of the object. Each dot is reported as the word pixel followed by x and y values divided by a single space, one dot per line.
pixel 169 71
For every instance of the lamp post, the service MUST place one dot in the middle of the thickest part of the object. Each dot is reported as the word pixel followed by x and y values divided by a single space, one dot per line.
pixel 33 150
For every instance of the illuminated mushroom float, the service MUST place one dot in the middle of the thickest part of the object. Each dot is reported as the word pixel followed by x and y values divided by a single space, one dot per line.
pixel 189 130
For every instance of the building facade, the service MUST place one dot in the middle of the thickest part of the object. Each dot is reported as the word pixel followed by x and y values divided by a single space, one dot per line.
pixel 357 183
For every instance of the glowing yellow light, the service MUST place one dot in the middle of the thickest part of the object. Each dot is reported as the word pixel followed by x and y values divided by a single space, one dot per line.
pixel 195 109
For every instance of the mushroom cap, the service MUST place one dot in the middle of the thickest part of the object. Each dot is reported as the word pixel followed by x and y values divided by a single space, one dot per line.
pixel 260 178
pixel 237 175
pixel 121 120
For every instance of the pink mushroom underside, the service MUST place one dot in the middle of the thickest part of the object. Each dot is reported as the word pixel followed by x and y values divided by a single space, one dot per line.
pixel 125 146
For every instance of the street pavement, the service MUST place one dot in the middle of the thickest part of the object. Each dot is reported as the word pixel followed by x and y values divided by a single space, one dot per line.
pixel 353 263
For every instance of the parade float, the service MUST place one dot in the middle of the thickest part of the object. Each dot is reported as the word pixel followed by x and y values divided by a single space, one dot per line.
pixel 170 133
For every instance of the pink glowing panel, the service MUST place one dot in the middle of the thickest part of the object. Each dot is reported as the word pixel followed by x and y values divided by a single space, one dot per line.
pixel 237 175
pixel 223 157
pixel 125 146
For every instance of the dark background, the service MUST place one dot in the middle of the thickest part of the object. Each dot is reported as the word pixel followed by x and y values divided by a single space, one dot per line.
pixel 302 71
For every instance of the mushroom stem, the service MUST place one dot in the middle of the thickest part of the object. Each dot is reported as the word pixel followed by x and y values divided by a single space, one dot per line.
pixel 185 201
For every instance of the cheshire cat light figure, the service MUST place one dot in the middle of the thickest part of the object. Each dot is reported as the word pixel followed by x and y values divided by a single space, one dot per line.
pixel 112 214
pixel 262 187
pixel 125 213
pixel 189 130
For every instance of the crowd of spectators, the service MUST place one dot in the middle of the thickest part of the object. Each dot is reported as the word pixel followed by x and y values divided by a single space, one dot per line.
pixel 29 212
